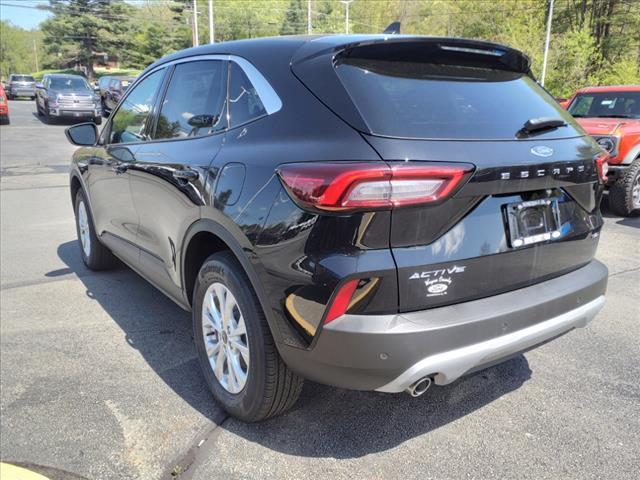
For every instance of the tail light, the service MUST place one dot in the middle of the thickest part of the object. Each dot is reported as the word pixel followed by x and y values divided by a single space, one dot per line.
pixel 602 165
pixel 370 185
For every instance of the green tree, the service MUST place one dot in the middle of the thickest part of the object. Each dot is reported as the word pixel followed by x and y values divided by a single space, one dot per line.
pixel 295 19
pixel 79 30
pixel 19 49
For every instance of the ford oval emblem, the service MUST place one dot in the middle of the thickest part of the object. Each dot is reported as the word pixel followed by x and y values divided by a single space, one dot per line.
pixel 542 151
pixel 437 288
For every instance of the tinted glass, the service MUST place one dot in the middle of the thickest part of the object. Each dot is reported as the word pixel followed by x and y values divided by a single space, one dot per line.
pixel 244 102
pixel 606 104
pixel 69 84
pixel 195 100
pixel 130 120
pixel 22 78
pixel 423 100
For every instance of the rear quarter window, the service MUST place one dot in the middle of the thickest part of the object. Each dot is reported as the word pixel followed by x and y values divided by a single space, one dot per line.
pixel 435 101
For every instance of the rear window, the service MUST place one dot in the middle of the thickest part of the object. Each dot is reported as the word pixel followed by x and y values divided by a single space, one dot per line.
pixel 22 78
pixel 606 105
pixel 435 101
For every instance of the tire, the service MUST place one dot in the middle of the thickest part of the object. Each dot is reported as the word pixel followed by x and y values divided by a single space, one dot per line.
pixel 624 195
pixel 97 120
pixel 94 254
pixel 47 118
pixel 269 386
pixel 33 98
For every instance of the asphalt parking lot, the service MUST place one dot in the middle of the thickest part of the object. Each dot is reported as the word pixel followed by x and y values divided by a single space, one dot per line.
pixel 99 376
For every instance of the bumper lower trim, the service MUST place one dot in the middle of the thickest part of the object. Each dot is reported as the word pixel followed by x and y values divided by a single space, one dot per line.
pixel 447 367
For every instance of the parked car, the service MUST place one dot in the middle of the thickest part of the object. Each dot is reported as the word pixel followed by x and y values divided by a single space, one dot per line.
pixel 4 107
pixel 112 93
pixel 370 212
pixel 67 96
pixel 612 116
pixel 20 85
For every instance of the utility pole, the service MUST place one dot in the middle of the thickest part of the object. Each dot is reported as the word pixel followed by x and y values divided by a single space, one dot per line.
pixel 35 54
pixel 211 30
pixel 546 44
pixel 196 41
pixel 308 17
pixel 346 14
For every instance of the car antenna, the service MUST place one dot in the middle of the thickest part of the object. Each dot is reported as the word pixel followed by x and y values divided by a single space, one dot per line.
pixel 393 29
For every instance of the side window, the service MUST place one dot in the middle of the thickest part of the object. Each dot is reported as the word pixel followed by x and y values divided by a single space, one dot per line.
pixel 130 119
pixel 195 101
pixel 244 102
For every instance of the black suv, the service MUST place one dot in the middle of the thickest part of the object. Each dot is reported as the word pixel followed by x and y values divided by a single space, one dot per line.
pixel 370 212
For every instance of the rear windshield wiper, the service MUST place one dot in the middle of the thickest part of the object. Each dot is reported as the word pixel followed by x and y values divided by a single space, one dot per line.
pixel 535 125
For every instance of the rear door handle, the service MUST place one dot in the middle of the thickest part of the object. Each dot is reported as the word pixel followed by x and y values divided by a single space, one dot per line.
pixel 188 175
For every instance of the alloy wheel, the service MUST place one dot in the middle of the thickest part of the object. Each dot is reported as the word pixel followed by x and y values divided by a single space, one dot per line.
pixel 83 227
pixel 225 338
pixel 635 192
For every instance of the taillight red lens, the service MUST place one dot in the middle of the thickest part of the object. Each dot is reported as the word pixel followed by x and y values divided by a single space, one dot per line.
pixel 602 165
pixel 370 185
pixel 341 300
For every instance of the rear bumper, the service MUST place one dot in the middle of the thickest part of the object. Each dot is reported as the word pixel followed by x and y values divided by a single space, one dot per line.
pixel 390 352
pixel 23 91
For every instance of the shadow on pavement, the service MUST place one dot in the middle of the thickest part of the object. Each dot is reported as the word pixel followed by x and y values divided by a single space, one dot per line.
pixel 327 421
pixel 633 222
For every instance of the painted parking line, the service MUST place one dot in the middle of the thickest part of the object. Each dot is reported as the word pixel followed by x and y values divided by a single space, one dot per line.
pixel 13 472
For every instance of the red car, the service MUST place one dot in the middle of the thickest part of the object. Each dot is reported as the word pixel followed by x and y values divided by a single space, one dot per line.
pixel 4 107
pixel 612 116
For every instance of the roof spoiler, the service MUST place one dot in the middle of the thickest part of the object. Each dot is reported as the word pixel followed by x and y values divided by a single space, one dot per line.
pixel 436 50
pixel 392 29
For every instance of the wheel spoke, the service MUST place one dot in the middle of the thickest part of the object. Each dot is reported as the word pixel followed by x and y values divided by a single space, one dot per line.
pixel 239 329
pixel 219 364
pixel 211 347
pixel 213 315
pixel 227 312
pixel 240 348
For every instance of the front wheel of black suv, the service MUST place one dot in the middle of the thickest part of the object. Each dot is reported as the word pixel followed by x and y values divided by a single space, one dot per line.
pixel 237 353
pixel 94 254
pixel 624 195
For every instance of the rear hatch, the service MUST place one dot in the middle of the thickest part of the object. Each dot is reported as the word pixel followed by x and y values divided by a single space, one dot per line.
pixel 529 211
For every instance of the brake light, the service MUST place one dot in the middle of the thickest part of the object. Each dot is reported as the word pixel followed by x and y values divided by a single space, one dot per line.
pixel 370 185
pixel 341 300
pixel 602 165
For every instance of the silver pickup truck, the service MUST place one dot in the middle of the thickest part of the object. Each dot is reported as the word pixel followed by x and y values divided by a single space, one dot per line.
pixel 70 96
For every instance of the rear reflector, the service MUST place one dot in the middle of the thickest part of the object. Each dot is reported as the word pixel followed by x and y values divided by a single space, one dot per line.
pixel 602 165
pixel 370 185
pixel 341 300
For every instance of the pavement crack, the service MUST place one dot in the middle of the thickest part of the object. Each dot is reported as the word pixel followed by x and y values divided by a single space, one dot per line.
pixel 182 467
pixel 621 272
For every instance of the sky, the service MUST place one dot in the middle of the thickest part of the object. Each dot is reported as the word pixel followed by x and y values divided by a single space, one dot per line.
pixel 23 13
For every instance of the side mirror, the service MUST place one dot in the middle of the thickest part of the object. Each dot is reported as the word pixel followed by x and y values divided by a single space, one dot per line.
pixel 83 134
pixel 39 86
pixel 96 88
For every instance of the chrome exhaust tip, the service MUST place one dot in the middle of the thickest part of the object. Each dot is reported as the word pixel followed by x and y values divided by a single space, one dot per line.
pixel 418 387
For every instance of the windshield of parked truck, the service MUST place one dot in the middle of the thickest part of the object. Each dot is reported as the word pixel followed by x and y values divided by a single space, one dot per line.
pixel 606 105
pixel 69 84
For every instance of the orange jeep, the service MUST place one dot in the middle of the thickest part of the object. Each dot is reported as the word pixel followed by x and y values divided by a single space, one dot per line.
pixel 612 116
